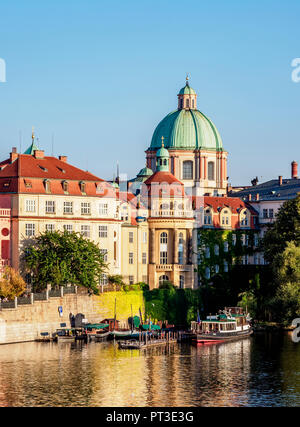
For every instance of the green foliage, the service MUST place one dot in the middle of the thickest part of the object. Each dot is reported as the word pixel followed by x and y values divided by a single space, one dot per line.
pixel 285 229
pixel 59 258
pixel 210 238
pixel 177 306
pixel 116 279
pixel 166 284
pixel 281 245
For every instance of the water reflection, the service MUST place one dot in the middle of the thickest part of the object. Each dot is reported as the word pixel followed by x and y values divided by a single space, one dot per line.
pixel 258 371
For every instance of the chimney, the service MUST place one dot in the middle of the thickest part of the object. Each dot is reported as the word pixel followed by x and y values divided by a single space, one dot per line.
pixel 294 170
pixel 280 180
pixel 63 158
pixel 39 154
pixel 13 155
pixel 257 197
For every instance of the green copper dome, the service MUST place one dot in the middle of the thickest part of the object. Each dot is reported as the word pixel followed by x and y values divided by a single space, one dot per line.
pixel 145 172
pixel 187 90
pixel 187 129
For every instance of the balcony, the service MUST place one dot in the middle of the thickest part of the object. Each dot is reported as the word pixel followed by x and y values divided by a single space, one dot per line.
pixel 5 212
pixel 171 213
pixel 174 267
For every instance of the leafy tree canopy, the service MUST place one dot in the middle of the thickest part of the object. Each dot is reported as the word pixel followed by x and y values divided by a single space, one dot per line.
pixel 59 258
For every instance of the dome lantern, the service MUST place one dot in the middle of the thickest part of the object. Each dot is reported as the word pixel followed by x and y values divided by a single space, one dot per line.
pixel 162 158
pixel 187 97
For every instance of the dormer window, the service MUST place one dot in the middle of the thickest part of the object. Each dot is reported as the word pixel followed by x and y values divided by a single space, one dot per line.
pixel 82 186
pixel 47 185
pixel 65 186
pixel 43 168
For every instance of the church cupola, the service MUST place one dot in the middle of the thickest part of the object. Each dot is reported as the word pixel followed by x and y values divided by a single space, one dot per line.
pixel 162 158
pixel 187 97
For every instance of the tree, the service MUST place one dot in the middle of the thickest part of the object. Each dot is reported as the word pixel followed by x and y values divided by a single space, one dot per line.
pixel 286 302
pixel 11 284
pixel 285 229
pixel 59 258
pixel 281 245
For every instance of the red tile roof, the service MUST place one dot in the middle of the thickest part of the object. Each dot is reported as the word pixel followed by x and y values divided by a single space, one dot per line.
pixel 27 174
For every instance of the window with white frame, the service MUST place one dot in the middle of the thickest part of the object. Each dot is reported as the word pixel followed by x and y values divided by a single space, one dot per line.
pixel 144 258
pixel 130 236
pixel 104 253
pixel 217 268
pixel 29 230
pixel 180 248
pixel 103 279
pixel 211 171
pixel 30 205
pixel 68 228
pixel 103 231
pixel 207 273
pixel 163 251
pixel 217 250
pixel 130 258
pixel 226 246
pixel 85 230
pixel 85 208
pixel 207 217
pixel 225 266
pixel 50 228
pixel 187 169
pixel 68 207
pixel 103 208
pixel 131 280
pixel 50 206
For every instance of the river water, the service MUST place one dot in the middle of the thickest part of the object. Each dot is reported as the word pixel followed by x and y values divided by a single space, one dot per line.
pixel 263 370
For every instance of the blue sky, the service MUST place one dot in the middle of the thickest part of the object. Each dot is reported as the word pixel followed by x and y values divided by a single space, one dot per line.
pixel 97 76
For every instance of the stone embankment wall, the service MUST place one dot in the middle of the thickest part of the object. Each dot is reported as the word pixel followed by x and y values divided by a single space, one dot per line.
pixel 26 322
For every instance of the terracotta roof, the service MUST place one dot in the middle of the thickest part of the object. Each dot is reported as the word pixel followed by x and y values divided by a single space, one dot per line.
pixel 26 165
pixel 160 177
pixel 234 203
pixel 27 174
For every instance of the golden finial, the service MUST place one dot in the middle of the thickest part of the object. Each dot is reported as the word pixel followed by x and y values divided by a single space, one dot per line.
pixel 187 78
pixel 162 141
pixel 32 135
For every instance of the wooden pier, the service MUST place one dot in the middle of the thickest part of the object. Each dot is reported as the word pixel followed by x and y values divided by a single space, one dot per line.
pixel 146 341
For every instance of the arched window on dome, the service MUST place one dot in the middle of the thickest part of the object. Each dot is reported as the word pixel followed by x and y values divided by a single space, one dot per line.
pixel 187 103
pixel 187 169
pixel 193 103
pixel 211 171
pixel 181 103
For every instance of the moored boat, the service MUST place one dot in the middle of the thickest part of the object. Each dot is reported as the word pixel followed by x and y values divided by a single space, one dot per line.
pixel 229 325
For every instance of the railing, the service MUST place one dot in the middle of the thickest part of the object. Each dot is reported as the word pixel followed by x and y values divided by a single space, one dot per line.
pixel 168 213
pixel 7 304
pixel 69 290
pixel 4 212
pixel 38 296
pixel 24 300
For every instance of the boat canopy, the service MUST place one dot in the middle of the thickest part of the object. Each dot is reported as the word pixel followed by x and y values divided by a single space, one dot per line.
pixel 97 325
pixel 153 327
